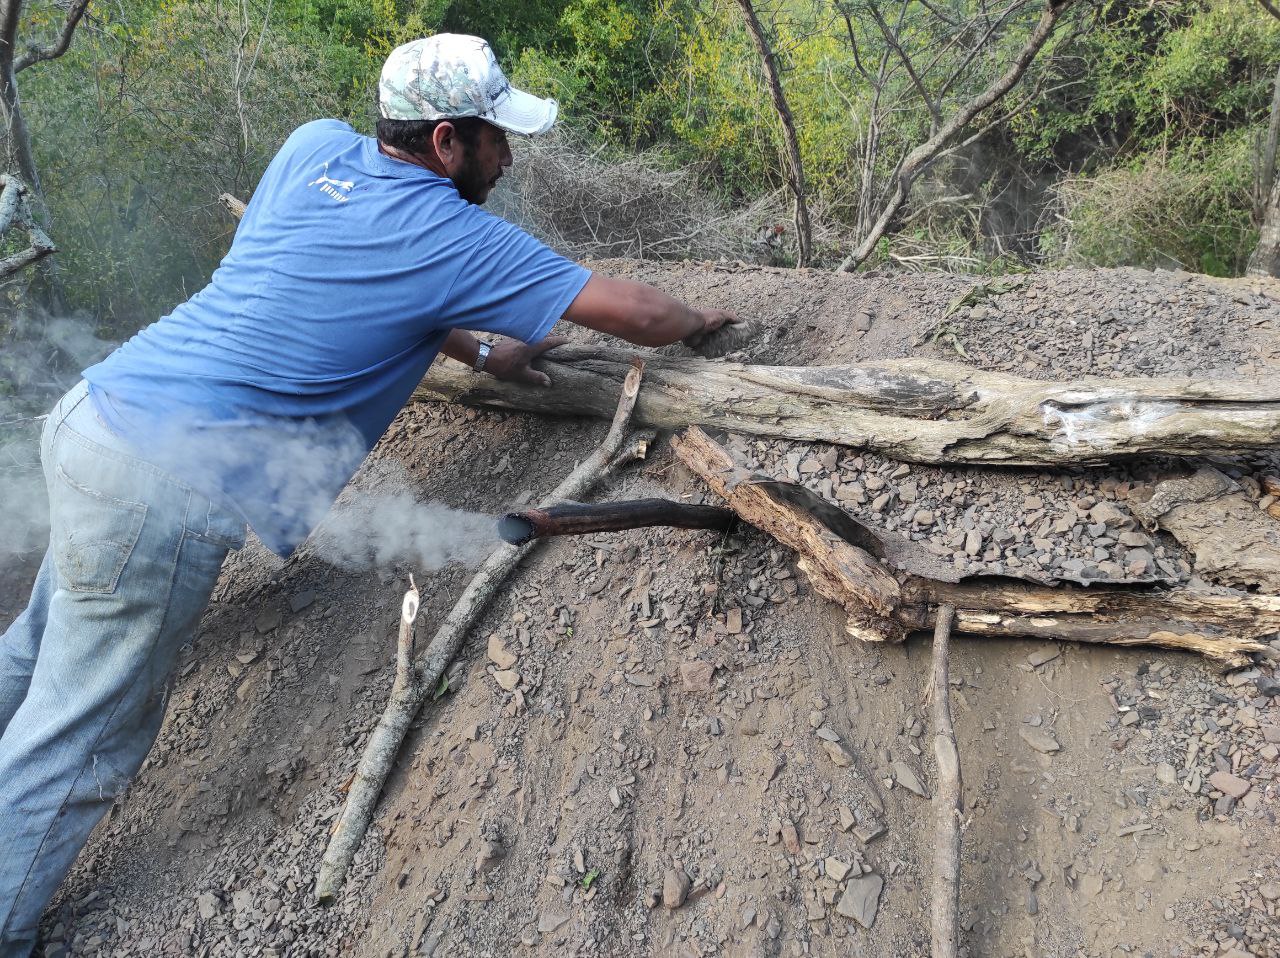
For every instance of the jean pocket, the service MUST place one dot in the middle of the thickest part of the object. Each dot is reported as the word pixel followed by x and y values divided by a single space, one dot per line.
pixel 92 534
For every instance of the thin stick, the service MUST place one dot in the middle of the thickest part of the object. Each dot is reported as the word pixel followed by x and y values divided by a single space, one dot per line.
pixel 379 754
pixel 946 798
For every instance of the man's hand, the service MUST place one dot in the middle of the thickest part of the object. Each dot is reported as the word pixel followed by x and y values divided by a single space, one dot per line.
pixel 712 319
pixel 509 359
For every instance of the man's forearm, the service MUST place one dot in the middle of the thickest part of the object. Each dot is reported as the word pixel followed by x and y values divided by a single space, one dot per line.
pixel 462 346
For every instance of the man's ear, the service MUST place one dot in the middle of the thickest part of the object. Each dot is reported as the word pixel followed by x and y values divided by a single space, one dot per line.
pixel 448 146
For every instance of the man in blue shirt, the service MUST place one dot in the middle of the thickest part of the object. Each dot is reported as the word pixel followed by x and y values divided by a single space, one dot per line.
pixel 356 262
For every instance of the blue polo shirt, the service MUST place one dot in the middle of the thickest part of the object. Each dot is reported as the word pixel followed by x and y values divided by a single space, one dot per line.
pixel 268 387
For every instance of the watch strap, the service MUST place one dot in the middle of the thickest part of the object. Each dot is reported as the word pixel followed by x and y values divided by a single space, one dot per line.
pixel 482 355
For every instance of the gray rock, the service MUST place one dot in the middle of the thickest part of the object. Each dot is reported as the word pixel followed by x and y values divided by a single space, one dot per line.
pixel 909 780
pixel 861 899
pixel 1039 739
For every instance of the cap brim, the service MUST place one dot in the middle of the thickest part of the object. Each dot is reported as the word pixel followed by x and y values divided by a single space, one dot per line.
pixel 524 113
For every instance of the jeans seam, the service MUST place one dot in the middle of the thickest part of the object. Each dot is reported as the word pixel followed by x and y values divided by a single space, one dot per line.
pixel 155 641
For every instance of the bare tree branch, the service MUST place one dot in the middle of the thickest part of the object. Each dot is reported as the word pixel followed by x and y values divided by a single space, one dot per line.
pixel 892 40
pixel 919 159
pixel 37 54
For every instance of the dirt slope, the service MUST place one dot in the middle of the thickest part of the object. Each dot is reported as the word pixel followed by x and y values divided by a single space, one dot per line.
pixel 679 693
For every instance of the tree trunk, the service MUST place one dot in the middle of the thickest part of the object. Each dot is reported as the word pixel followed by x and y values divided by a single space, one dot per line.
pixel 1265 260
pixel 916 410
pixel 849 562
pixel 795 166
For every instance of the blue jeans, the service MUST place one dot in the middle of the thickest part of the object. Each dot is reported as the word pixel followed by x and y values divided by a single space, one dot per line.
pixel 133 557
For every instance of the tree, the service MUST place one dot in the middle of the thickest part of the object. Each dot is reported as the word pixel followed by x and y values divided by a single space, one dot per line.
pixel 19 157
pixel 938 71
pixel 794 165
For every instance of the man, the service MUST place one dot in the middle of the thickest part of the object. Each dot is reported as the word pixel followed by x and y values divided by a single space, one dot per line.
pixel 357 260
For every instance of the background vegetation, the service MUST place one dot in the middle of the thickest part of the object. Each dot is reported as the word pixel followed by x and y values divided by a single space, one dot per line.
pixel 1134 139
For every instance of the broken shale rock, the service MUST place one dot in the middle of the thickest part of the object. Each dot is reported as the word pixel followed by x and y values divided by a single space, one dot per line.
pixel 861 899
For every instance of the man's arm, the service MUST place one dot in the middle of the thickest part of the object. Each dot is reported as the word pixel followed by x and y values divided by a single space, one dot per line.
pixel 632 311
pixel 641 314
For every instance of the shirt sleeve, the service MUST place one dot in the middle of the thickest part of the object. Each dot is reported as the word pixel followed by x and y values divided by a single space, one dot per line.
pixel 513 285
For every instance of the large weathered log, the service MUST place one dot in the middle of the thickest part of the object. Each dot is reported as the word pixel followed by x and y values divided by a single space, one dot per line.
pixel 912 409
pixel 889 586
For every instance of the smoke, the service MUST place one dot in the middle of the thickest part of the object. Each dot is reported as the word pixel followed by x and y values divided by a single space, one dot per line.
pixel 286 477
pixel 42 357
pixel 387 527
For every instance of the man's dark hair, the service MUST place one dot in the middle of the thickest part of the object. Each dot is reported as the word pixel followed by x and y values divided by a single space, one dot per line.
pixel 414 136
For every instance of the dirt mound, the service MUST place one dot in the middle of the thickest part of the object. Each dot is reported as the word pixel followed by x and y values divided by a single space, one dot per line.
pixel 695 759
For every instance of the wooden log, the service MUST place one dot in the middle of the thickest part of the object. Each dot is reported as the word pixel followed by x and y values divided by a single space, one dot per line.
pixel 576 518
pixel 889 586
pixel 917 410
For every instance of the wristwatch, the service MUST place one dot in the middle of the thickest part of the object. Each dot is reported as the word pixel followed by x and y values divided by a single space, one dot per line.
pixel 482 355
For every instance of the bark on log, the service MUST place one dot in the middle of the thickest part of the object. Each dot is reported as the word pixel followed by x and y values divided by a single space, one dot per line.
pixel 1234 542
pixel 916 410
pixel 889 586
pixel 407 697
pixel 576 518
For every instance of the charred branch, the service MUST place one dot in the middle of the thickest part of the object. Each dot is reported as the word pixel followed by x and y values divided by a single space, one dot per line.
pixel 575 519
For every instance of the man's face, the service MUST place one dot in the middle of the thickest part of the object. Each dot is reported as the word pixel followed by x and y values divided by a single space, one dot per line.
pixel 483 163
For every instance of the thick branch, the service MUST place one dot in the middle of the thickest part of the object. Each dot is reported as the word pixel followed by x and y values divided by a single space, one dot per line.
pixel 843 558
pixel 946 798
pixel 37 54
pixel 919 158
pixel 375 764
pixel 912 409
pixel 576 518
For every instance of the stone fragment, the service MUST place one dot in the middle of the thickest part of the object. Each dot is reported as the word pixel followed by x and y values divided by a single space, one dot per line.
pixel 549 921
pixel 836 752
pixel 861 899
pixel 301 600
pixel 836 869
pixel 1230 785
pixel 1039 739
pixel 908 779
pixel 1166 774
pixel 499 654
pixel 868 831
pixel 696 676
pixel 790 837
pixel 675 888
pixel 507 679
pixel 207 903
pixel 1091 885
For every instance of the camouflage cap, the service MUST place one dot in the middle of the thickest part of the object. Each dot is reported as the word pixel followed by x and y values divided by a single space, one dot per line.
pixel 451 75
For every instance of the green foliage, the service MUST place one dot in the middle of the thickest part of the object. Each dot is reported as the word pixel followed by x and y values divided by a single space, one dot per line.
pixel 1190 209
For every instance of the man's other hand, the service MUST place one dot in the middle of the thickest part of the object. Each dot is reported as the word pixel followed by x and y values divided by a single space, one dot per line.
pixel 509 359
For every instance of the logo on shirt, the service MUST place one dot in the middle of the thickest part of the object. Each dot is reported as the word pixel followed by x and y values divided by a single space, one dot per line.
pixel 331 187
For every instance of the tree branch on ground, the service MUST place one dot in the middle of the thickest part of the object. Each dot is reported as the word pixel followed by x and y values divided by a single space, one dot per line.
pixel 416 680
